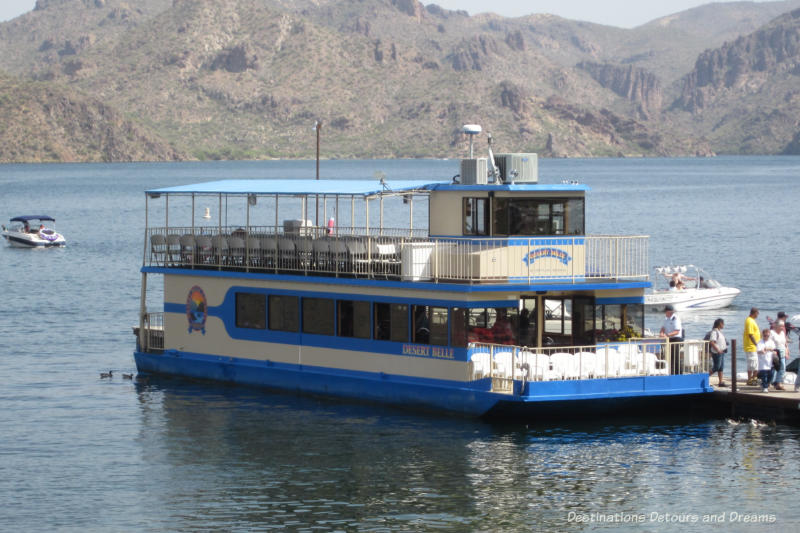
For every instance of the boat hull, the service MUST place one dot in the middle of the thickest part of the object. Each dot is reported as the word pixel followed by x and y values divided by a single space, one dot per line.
pixel 32 240
pixel 691 299
pixel 527 400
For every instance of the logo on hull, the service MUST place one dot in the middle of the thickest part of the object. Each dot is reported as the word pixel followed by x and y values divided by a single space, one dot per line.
pixel 197 310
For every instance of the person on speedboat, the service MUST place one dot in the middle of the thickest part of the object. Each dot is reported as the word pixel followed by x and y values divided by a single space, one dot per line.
pixel 679 278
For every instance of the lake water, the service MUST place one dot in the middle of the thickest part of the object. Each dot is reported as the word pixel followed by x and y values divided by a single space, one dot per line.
pixel 80 453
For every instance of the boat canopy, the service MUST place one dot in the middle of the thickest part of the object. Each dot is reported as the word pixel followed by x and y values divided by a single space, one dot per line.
pixel 344 187
pixel 26 218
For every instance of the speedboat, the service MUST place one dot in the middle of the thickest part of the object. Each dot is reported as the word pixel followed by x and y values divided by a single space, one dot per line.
pixel 697 290
pixel 23 234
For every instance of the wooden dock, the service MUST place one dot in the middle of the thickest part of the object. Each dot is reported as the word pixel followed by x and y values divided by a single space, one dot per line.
pixel 747 401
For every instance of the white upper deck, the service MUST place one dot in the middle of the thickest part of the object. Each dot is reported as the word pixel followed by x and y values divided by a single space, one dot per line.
pixel 478 233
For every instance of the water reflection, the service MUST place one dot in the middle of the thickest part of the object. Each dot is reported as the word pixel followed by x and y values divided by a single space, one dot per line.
pixel 260 461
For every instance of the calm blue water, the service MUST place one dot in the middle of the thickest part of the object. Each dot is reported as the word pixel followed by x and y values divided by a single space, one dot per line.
pixel 78 453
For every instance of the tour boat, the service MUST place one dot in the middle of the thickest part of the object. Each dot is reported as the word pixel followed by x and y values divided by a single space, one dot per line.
pixel 494 304
pixel 23 234
pixel 699 292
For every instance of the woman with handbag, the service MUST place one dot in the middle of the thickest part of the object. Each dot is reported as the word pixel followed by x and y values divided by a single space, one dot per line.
pixel 718 346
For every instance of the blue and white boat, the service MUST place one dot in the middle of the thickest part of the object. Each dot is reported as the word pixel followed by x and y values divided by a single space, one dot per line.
pixel 29 231
pixel 496 303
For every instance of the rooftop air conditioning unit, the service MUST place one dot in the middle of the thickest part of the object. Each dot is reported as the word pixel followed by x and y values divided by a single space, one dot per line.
pixel 474 171
pixel 298 227
pixel 517 168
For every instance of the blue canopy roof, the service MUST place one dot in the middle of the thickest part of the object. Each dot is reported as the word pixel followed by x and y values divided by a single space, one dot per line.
pixel 343 187
pixel 26 218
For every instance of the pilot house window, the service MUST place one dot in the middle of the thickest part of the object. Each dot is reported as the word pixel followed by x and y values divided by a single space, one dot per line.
pixel 476 216
pixel 538 216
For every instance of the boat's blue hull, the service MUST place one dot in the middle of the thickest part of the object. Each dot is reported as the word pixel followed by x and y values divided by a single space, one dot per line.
pixel 530 400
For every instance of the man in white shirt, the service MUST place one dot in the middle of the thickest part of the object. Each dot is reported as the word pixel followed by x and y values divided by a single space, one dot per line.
pixel 673 330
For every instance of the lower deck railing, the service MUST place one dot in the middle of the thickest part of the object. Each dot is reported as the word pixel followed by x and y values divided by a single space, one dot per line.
pixel 151 338
pixel 639 357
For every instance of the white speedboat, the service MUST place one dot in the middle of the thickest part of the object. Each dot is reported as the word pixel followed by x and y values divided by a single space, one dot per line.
pixel 29 231
pixel 693 289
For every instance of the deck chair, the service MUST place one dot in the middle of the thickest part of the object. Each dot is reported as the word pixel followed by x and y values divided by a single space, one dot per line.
pixel 219 248
pixel 158 249
pixel 174 249
pixel 203 249
pixel 187 249
pixel 236 251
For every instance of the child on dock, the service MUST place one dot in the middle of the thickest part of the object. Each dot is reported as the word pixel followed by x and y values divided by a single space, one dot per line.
pixel 766 351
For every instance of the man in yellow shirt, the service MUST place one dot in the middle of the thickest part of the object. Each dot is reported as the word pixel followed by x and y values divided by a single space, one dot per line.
pixel 749 343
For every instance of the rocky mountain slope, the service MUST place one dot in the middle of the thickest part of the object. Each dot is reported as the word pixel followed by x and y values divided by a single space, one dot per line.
pixel 745 95
pixel 40 122
pixel 388 78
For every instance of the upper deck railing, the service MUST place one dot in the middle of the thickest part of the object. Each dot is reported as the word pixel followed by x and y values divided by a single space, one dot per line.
pixel 399 254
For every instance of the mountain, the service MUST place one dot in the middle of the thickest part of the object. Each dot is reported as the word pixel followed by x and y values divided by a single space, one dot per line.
pixel 40 122
pixel 388 78
pixel 745 96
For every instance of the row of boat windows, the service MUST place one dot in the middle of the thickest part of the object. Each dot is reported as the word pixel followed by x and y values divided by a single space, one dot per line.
pixel 564 321
pixel 343 318
pixel 524 216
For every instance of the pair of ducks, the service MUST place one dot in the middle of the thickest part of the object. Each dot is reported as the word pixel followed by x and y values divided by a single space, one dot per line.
pixel 110 374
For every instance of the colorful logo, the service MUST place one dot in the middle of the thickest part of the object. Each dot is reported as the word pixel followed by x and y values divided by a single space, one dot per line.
pixel 197 310
pixel 542 253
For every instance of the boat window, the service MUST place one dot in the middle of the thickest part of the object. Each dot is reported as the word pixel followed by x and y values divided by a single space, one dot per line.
pixel 485 325
pixel 527 323
pixel 634 318
pixel 283 313
pixel 430 325
pixel 318 317
pixel 476 216
pixel 618 322
pixel 353 318
pixel 538 216
pixel 251 310
pixel 583 320
pixel 391 322
pixel 557 322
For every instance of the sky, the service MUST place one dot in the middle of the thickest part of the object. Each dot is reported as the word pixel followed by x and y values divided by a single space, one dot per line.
pixel 621 13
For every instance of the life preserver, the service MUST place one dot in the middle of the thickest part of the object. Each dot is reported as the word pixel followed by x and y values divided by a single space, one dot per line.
pixel 48 234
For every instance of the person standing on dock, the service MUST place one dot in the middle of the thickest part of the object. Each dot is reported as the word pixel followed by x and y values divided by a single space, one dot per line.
pixel 778 335
pixel 673 330
pixel 718 346
pixel 766 359
pixel 749 343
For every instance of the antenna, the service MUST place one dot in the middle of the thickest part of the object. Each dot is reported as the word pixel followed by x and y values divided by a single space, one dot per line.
pixel 493 171
pixel 380 176
pixel 472 130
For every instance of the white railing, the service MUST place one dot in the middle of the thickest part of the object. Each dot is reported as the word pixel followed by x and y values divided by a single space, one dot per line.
pixel 153 334
pixel 357 252
pixel 638 357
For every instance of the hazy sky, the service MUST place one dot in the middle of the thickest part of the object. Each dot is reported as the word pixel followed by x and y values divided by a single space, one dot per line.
pixel 624 13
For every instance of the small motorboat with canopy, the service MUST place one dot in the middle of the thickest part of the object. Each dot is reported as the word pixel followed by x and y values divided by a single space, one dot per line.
pixel 699 292
pixel 29 231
